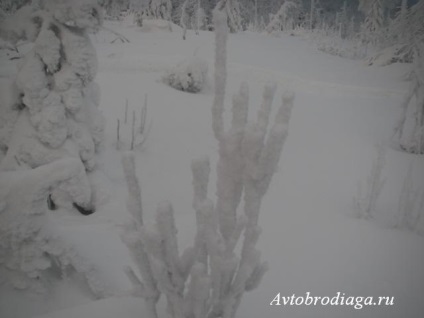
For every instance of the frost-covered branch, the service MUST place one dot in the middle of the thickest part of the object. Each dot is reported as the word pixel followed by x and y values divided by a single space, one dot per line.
pixel 133 239
pixel 366 201
pixel 209 279
pixel 407 215
pixel 221 36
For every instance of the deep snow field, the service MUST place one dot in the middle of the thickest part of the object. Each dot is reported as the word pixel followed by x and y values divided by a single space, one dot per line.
pixel 311 237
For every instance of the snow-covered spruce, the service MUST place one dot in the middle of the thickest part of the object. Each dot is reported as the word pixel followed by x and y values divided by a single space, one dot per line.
pixel 188 76
pixel 209 279
pixel 56 82
pixel 52 130
pixel 286 17
pixel 151 9
pixel 405 33
pixel 233 13
pixel 374 20
pixel 192 16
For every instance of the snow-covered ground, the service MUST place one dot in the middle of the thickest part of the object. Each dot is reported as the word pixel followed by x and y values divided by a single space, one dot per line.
pixel 311 237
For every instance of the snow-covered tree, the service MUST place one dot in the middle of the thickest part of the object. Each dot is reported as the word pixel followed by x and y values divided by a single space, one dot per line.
pixel 58 96
pixel 408 31
pixel 312 13
pixel 10 6
pixel 151 9
pixel 32 255
pixel 209 279
pixel 232 8
pixel 342 21
pixel 286 17
pixel 411 129
pixel 161 9
pixel 192 16
pixel 113 8
pixel 374 20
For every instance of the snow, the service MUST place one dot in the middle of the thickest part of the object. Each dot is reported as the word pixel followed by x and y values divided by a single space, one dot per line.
pixel 310 238
pixel 188 76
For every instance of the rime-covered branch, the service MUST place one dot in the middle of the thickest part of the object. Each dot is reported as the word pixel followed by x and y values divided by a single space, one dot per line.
pixel 133 240
pixel 209 279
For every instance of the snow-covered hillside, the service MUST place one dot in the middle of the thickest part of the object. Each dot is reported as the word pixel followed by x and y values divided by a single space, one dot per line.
pixel 311 237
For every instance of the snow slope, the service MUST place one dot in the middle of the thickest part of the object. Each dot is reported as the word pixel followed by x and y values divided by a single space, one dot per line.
pixel 310 236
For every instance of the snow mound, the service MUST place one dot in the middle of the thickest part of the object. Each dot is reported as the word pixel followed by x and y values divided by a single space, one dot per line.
pixel 31 251
pixel 188 76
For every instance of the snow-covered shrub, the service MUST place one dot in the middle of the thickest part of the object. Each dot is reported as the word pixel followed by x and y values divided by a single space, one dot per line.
pixel 31 252
pixel 188 76
pixel 332 43
pixel 56 82
pixel 56 131
pixel 135 130
pixel 209 279
pixel 24 24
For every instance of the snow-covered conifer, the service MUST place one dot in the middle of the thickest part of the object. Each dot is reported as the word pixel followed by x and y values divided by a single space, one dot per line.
pixel 374 20
pixel 192 16
pixel 56 81
pixel 161 9
pixel 30 252
pixel 286 17
pixel 411 128
pixel 233 12
pixel 408 29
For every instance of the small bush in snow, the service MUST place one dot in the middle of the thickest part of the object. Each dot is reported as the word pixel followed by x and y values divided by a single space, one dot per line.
pixel 31 253
pixel 188 76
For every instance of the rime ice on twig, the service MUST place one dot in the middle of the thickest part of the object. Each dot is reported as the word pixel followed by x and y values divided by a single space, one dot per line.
pixel 208 279
pixel 366 201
